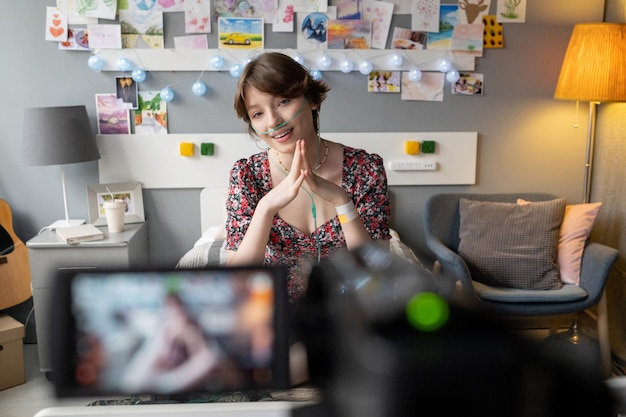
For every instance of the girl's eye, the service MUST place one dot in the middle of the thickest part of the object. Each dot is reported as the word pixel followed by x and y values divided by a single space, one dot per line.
pixel 284 102
pixel 255 115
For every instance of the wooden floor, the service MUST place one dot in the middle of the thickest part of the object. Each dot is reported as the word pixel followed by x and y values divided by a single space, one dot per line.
pixel 36 394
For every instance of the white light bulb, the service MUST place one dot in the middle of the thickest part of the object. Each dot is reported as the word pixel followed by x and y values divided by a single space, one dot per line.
pixel 217 62
pixel 445 65
pixel 138 75
pixel 198 88
pixel 395 60
pixel 167 94
pixel 124 64
pixel 346 66
pixel 325 61
pixel 415 75
pixel 235 70
pixel 298 58
pixel 316 74
pixel 95 63
pixel 452 76
pixel 365 67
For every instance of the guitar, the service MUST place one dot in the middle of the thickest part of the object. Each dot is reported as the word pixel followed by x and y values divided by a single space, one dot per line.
pixel 15 279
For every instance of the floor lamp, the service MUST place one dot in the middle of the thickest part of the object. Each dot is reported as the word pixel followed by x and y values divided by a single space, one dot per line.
pixel 593 70
pixel 58 136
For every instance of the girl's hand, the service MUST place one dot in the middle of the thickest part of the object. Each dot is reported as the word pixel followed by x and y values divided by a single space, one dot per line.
pixel 283 193
pixel 327 190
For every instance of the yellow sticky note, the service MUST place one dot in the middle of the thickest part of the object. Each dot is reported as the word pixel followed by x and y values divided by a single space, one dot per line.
pixel 186 149
pixel 411 147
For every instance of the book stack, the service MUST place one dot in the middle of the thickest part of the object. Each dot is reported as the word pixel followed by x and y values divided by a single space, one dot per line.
pixel 83 233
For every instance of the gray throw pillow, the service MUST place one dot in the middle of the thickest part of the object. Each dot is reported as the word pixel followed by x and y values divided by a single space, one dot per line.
pixel 511 245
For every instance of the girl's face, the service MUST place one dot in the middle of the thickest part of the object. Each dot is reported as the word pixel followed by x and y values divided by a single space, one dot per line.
pixel 280 121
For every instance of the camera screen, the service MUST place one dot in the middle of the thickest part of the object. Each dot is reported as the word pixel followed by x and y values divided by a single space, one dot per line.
pixel 171 331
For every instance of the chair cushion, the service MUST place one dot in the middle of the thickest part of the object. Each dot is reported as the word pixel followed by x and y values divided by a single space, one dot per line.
pixel 575 230
pixel 567 293
pixel 510 245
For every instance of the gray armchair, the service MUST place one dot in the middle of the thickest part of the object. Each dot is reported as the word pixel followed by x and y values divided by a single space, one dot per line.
pixel 442 226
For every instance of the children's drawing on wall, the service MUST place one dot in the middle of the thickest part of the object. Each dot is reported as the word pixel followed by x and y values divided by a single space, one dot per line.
pixel 313 29
pixel 151 114
pixel 448 20
pixel 347 9
pixel 126 89
pixel 105 36
pixel 408 39
pixel 191 42
pixel 401 6
pixel 141 29
pixel 384 82
pixel 468 39
pixel 428 88
pixel 425 15
pixel 472 11
pixel 349 34
pixel 112 120
pixel 494 32
pixel 152 5
pixel 379 13
pixel 240 33
pixel 285 17
pixel 102 9
pixel 468 84
pixel 310 5
pixel 56 25
pixel 262 9
pixel 511 11
pixel 198 16
pixel 77 40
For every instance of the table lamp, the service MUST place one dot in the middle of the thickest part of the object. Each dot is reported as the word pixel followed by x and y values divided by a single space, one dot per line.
pixel 593 70
pixel 58 136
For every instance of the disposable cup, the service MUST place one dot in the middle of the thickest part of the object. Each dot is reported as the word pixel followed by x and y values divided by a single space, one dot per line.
pixel 114 212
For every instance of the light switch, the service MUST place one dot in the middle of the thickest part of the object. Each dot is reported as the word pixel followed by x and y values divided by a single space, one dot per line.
pixel 186 149
pixel 411 147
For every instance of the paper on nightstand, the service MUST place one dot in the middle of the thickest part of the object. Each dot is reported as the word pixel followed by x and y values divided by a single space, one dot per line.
pixel 82 233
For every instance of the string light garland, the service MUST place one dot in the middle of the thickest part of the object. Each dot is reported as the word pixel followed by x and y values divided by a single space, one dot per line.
pixel 413 62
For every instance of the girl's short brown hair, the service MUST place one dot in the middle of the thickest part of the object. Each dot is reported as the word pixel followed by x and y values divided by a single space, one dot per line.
pixel 279 75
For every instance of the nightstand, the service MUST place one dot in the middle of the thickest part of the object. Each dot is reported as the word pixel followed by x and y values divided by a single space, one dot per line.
pixel 48 254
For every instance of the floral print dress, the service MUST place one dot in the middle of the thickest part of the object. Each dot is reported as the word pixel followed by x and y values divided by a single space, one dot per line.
pixel 365 180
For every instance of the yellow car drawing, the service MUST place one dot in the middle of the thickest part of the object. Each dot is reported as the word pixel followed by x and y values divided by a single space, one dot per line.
pixel 237 38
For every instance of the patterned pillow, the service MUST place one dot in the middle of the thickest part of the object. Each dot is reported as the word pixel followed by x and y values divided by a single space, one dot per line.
pixel 511 245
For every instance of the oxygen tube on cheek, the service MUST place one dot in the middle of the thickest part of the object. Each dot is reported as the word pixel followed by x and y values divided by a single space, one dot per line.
pixel 281 125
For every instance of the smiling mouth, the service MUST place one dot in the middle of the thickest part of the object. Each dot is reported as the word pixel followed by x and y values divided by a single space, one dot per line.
pixel 282 134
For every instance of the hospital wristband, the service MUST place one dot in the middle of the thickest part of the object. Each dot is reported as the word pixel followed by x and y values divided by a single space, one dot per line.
pixel 346 212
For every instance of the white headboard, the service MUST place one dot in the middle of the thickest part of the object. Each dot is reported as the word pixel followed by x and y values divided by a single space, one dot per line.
pixel 212 208
pixel 156 160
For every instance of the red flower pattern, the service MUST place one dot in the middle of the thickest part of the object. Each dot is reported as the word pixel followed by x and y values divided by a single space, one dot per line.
pixel 364 179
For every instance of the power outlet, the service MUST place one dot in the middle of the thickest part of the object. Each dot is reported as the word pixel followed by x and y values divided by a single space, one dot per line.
pixel 422 165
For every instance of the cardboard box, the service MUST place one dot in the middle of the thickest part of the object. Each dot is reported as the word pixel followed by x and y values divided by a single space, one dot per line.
pixel 11 352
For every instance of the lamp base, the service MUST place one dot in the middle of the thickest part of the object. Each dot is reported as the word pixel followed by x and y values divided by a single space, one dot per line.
pixel 66 223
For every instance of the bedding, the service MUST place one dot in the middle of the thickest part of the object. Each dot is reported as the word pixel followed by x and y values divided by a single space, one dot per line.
pixel 210 250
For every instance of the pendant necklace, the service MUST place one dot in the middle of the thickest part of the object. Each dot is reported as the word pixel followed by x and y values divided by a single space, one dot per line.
pixel 316 168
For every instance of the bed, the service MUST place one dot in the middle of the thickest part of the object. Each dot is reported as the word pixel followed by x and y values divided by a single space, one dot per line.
pixel 209 248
